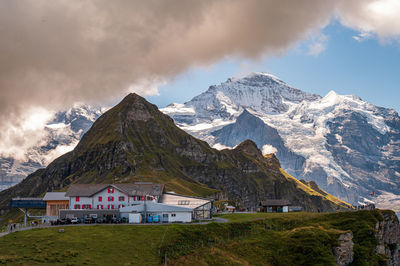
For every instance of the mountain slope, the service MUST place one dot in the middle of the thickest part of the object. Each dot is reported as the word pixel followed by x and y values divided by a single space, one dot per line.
pixel 248 126
pixel 350 147
pixel 134 141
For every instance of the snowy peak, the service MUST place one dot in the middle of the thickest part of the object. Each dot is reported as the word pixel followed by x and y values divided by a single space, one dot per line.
pixel 257 92
pixel 258 79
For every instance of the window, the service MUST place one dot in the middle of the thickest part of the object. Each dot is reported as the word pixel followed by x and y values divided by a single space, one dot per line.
pixel 142 198
pixel 100 199
pixel 77 206
pixel 86 206
pixel 121 198
pixel 99 207
pixel 134 198
pixel 121 206
pixel 110 198
pixel 77 199
pixel 183 202
pixel 173 214
pixel 110 190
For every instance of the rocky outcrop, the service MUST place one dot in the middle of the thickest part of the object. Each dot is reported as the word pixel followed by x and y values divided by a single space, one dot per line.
pixel 248 126
pixel 344 253
pixel 387 233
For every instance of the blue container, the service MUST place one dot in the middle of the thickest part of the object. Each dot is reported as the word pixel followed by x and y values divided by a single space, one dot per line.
pixel 156 218
pixel 150 219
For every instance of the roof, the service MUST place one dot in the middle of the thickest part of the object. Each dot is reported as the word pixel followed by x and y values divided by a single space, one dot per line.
pixel 55 196
pixel 184 201
pixel 35 203
pixel 274 202
pixel 131 189
pixel 154 207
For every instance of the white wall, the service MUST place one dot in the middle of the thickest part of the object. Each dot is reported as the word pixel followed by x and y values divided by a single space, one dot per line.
pixel 104 194
pixel 94 201
pixel 82 200
pixel 185 217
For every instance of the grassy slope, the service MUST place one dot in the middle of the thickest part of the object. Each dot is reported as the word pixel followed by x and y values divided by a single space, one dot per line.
pixel 311 191
pixel 256 239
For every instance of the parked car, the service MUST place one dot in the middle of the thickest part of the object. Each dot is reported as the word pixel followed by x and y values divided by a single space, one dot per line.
pixel 74 220
pixel 89 220
pixel 100 220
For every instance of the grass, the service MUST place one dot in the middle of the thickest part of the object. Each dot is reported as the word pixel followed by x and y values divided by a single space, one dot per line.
pixel 247 239
pixel 313 192
pixel 90 245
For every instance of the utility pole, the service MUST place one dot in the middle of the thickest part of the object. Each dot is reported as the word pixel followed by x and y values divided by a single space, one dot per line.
pixel 145 209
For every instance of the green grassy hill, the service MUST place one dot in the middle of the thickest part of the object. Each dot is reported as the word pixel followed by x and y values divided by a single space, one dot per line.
pixel 248 239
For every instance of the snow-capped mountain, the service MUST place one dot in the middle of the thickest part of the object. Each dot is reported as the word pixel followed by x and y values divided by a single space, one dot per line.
pixel 62 134
pixel 348 146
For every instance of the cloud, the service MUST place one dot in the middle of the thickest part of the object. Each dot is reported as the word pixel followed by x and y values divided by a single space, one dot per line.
pixel 317 45
pixel 56 53
pixel 220 146
pixel 19 137
pixel 268 149
pixel 362 36
pixel 371 17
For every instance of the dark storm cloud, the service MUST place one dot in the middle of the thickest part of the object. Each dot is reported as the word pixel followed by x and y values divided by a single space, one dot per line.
pixel 55 53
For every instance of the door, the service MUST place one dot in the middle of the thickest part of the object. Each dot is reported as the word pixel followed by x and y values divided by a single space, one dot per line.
pixel 165 218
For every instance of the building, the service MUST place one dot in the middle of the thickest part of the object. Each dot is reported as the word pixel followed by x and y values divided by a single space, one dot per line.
pixel 112 196
pixel 108 201
pixel 55 201
pixel 274 205
pixel 229 208
pixel 28 203
pixel 162 212
pixel 201 207
pixel 295 208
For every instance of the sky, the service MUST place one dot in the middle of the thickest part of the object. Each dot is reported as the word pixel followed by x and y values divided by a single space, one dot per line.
pixel 368 68
pixel 54 54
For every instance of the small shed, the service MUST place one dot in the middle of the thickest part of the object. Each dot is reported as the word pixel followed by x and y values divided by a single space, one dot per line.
pixel 274 205
pixel 229 208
